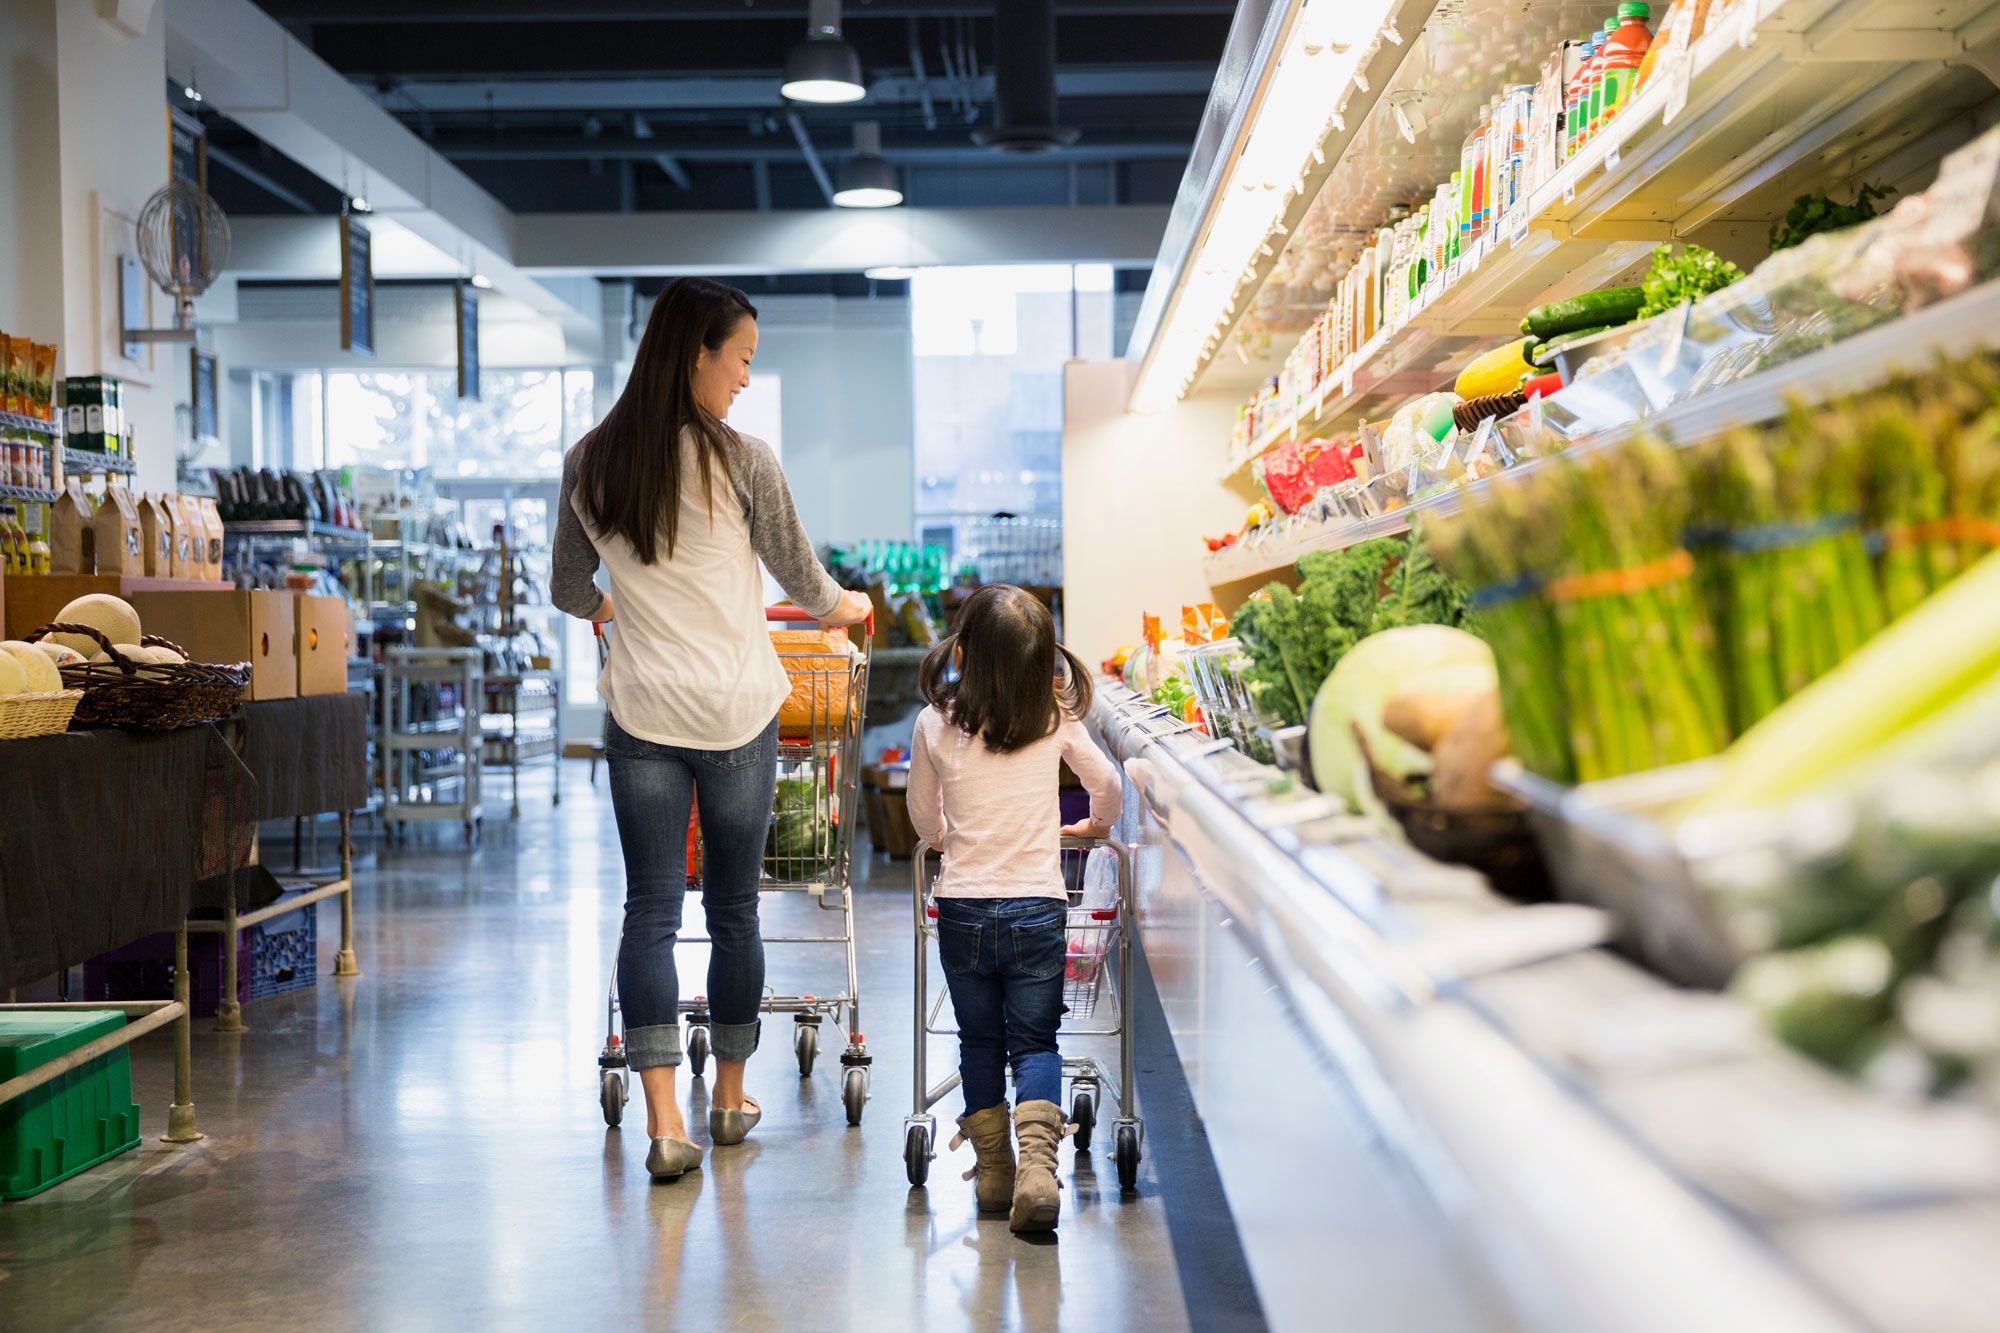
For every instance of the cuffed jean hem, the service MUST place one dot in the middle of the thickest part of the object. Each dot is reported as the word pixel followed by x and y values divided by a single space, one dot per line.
pixel 652 1047
pixel 734 1041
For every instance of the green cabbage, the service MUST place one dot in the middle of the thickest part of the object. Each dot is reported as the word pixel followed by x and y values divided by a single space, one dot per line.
pixel 799 845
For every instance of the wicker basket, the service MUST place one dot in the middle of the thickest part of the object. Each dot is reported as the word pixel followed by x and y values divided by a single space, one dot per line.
pixel 26 715
pixel 143 696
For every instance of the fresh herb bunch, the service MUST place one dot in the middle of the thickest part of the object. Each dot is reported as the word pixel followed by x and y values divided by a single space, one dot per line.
pixel 1675 280
pixel 1811 214
pixel 1295 639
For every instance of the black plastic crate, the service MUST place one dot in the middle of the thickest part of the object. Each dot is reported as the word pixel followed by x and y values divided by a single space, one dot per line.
pixel 274 958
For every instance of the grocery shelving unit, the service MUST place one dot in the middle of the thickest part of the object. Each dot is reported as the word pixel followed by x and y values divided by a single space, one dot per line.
pixel 534 698
pixel 1570 1142
pixel 1968 320
pixel 430 740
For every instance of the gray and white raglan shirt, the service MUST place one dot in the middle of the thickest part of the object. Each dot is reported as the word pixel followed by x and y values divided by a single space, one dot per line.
pixel 691 659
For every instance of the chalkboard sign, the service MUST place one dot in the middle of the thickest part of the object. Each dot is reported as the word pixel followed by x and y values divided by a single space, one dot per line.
pixel 468 341
pixel 187 161
pixel 357 289
pixel 203 397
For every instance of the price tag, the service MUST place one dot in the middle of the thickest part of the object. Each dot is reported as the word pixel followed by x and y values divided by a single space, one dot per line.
pixel 1611 161
pixel 1517 224
pixel 1569 193
pixel 1746 32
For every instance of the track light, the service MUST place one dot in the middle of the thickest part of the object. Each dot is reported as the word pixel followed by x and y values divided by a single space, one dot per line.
pixel 824 67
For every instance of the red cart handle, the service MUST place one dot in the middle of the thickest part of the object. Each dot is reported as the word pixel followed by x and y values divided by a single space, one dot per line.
pixel 800 613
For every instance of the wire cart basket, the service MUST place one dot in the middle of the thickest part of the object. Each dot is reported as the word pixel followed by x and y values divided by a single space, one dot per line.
pixel 1096 987
pixel 808 849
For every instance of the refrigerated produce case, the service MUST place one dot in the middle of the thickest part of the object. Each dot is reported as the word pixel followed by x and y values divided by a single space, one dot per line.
pixel 1522 1120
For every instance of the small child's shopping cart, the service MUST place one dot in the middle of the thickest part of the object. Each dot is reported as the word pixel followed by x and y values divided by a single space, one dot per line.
pixel 1100 923
pixel 808 849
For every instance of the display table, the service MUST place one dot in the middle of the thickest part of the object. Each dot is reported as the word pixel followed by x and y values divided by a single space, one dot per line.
pixel 308 755
pixel 106 834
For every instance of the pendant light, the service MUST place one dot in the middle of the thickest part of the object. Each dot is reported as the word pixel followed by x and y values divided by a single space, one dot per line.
pixel 867 180
pixel 824 67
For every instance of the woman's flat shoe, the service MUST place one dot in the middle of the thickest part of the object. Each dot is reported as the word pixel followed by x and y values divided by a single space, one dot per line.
pixel 670 1159
pixel 729 1127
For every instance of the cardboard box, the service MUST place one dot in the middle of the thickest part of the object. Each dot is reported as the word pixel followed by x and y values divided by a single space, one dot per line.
pixel 120 540
pixel 33 600
pixel 226 625
pixel 156 533
pixel 325 642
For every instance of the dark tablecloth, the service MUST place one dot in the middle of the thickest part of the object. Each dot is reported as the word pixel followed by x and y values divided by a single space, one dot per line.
pixel 309 756
pixel 103 835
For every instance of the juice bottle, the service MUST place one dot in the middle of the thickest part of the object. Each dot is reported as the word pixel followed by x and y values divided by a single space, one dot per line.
pixel 1573 98
pixel 1623 55
pixel 1593 86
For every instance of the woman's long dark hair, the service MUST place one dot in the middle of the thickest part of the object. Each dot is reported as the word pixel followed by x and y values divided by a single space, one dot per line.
pixel 1013 682
pixel 629 469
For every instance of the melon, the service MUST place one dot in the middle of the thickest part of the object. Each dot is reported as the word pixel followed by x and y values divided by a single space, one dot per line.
pixel 160 656
pixel 41 674
pixel 113 617
pixel 12 680
pixel 60 655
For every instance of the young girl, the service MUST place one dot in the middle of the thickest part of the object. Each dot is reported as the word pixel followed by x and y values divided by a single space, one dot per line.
pixel 984 768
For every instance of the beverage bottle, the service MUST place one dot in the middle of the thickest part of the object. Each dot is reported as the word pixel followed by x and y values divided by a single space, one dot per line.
pixel 1482 169
pixel 1676 13
pixel 1593 87
pixel 1623 55
pixel 1467 152
pixel 1573 98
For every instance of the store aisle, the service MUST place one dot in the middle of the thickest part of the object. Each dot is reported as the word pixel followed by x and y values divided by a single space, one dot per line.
pixel 424 1146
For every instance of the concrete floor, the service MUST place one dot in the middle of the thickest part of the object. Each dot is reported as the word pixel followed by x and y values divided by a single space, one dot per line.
pixel 423 1146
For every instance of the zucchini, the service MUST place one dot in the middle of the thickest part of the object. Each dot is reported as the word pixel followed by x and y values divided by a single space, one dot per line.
pixel 1613 305
pixel 1545 354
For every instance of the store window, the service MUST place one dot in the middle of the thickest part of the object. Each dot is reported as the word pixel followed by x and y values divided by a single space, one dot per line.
pixel 990 347
pixel 517 429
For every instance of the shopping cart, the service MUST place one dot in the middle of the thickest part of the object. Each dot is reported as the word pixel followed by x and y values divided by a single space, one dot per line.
pixel 808 849
pixel 1094 1006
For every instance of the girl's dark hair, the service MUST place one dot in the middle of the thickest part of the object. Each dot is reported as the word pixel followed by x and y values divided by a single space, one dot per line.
pixel 1013 681
pixel 628 476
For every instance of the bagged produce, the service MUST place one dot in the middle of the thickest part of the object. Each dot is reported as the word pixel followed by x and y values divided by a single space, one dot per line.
pixel 818 663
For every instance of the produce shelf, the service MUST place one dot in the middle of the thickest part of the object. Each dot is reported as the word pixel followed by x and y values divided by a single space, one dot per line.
pixel 1961 323
pixel 1750 118
pixel 1601 1141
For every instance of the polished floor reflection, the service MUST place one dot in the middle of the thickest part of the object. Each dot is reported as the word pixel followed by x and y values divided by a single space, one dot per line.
pixel 424 1147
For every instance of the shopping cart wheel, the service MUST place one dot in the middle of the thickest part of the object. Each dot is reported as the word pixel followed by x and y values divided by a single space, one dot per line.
pixel 611 1096
pixel 1083 1114
pixel 805 1045
pixel 917 1154
pixel 854 1093
pixel 1127 1150
pixel 697 1051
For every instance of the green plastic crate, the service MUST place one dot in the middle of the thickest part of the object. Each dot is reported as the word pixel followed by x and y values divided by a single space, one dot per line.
pixel 70 1123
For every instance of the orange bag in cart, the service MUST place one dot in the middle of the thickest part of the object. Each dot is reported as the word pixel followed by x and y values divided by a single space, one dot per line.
pixel 817 660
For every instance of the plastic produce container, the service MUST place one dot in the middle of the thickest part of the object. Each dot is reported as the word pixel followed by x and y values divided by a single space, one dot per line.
pixel 73 1122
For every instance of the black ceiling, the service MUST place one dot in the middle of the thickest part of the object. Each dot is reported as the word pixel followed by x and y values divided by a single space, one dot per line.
pixel 610 105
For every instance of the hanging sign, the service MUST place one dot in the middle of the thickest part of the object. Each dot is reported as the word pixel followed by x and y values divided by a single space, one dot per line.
pixel 357 288
pixel 203 396
pixel 468 341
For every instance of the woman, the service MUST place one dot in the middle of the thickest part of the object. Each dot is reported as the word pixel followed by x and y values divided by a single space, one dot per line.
pixel 680 508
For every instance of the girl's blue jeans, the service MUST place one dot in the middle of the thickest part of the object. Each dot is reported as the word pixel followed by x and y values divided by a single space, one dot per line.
pixel 1003 960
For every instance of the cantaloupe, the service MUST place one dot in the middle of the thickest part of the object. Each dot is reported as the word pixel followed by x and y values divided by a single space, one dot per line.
pixel 113 617
pixel 12 679
pixel 41 674
pixel 160 656
pixel 60 655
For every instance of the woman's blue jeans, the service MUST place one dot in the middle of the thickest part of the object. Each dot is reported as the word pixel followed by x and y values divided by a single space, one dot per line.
pixel 1003 961
pixel 652 790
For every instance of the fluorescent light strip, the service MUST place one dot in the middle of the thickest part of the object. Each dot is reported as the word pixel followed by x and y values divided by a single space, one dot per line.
pixel 1315 70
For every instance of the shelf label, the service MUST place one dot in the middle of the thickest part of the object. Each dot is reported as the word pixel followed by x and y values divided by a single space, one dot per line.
pixel 1569 193
pixel 1747 32
pixel 1611 161
pixel 1517 224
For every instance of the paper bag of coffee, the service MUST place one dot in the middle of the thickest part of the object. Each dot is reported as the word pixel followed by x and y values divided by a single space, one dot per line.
pixel 121 545
pixel 156 534
pixel 211 522
pixel 72 542
pixel 190 537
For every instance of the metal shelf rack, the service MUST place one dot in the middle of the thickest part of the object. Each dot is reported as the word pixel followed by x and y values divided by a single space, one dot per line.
pixel 421 689
pixel 533 696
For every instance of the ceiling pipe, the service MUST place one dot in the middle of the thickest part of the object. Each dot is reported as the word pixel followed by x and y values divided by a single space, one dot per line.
pixel 1024 81
pixel 922 76
pixel 813 163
